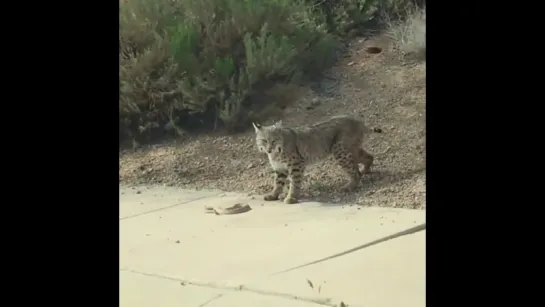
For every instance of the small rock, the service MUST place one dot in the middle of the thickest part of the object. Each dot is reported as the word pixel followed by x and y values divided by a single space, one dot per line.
pixel 251 165
pixel 138 192
pixel 350 63
pixel 177 241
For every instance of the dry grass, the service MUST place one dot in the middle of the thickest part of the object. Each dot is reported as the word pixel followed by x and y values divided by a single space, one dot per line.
pixel 409 33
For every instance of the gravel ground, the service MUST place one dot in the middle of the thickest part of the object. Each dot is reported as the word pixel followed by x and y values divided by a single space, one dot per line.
pixel 387 91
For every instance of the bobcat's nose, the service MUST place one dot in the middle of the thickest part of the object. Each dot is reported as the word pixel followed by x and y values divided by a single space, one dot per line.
pixel 269 151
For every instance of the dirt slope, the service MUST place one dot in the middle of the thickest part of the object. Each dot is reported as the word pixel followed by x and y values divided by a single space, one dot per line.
pixel 385 89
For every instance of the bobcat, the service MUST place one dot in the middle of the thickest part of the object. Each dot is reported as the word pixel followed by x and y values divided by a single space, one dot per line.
pixel 290 150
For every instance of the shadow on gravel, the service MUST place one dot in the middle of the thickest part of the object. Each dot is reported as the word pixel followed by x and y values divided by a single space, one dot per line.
pixel 381 178
pixel 371 183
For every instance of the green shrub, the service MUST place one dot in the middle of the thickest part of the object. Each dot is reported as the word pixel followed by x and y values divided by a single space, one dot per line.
pixel 347 18
pixel 203 63
pixel 206 59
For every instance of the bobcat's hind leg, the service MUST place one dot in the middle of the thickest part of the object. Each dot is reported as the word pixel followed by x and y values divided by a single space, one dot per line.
pixel 349 164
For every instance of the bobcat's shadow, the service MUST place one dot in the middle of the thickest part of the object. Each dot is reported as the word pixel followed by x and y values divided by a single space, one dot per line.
pixel 331 195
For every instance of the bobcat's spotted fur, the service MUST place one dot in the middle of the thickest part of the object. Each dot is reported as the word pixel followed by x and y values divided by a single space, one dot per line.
pixel 290 150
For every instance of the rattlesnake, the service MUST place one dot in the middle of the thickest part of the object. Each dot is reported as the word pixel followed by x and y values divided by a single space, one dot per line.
pixel 234 209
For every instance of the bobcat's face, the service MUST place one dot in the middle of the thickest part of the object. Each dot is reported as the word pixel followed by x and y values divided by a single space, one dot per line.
pixel 269 144
pixel 269 140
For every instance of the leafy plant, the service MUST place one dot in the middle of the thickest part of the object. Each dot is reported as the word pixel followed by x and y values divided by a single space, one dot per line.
pixel 202 63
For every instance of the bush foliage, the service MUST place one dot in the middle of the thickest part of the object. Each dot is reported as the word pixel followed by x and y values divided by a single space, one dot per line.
pixel 204 63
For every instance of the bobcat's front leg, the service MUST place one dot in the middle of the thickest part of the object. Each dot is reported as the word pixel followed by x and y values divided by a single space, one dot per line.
pixel 295 171
pixel 279 182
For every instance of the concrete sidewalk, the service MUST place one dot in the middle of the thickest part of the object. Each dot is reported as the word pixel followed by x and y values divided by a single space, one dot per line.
pixel 173 254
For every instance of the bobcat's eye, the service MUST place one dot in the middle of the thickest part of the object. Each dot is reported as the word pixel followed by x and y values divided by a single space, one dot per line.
pixel 272 143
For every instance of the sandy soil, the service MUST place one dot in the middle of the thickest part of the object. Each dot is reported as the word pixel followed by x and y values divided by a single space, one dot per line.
pixel 386 90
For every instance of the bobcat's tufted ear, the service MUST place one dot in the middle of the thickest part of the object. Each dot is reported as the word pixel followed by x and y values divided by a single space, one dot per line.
pixel 257 127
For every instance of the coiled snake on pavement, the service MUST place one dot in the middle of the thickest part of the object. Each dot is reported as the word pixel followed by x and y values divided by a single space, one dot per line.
pixel 234 209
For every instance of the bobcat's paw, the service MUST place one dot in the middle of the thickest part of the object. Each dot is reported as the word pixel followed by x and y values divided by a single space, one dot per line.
pixel 290 200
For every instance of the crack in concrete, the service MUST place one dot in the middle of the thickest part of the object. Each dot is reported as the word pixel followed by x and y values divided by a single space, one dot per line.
pixel 211 300
pixel 168 207
pixel 211 285
pixel 383 239
pixel 241 288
